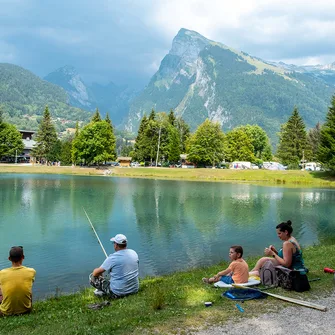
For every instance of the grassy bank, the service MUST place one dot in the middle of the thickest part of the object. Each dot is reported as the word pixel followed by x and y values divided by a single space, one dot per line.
pixel 169 304
pixel 287 178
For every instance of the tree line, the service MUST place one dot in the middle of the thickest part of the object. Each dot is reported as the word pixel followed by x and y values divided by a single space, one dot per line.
pixel 318 144
pixel 164 137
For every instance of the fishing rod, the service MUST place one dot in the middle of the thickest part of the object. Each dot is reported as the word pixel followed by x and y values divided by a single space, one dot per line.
pixel 102 247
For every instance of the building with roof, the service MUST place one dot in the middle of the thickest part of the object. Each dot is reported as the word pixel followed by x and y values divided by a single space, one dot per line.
pixel 28 143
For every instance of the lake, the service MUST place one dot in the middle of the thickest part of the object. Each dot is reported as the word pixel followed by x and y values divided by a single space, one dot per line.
pixel 173 225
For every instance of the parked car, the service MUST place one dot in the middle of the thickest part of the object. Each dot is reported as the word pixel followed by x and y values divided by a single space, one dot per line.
pixel 135 164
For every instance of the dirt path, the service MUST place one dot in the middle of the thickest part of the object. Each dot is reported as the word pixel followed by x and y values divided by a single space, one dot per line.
pixel 291 320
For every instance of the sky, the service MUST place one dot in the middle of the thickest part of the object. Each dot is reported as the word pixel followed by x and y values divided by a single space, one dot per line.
pixel 124 41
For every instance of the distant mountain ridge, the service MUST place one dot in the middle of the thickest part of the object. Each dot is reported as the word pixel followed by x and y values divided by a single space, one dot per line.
pixel 23 97
pixel 108 98
pixel 200 79
pixel 68 78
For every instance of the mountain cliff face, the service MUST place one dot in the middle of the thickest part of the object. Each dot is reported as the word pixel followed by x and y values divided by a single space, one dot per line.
pixel 202 79
pixel 108 98
pixel 68 78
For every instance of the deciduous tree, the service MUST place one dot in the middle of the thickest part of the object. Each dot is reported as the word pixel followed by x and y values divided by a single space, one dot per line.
pixel 239 146
pixel 10 140
pixel 259 139
pixel 95 143
pixel 206 145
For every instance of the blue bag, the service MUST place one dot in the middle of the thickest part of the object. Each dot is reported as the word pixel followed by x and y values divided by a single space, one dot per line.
pixel 243 294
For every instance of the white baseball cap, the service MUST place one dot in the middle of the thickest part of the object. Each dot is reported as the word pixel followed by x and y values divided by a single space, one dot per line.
pixel 119 239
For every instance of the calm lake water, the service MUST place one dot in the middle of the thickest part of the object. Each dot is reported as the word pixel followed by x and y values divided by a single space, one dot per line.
pixel 173 225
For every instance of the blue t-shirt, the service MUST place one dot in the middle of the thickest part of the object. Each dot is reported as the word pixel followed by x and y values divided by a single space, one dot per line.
pixel 123 265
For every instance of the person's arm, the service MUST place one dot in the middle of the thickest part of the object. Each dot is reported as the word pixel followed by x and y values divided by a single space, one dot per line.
pixel 287 254
pixel 222 273
pixel 273 249
pixel 98 272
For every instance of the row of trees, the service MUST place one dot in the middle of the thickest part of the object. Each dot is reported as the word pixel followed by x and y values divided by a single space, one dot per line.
pixel 296 145
pixel 160 137
pixel 164 137
pixel 94 143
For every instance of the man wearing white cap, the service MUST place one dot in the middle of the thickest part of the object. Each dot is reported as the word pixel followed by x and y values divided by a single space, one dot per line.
pixel 123 268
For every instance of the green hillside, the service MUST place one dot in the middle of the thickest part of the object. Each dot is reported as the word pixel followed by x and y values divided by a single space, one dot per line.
pixel 202 79
pixel 23 97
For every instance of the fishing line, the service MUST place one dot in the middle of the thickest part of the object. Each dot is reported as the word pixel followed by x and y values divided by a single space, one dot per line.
pixel 102 247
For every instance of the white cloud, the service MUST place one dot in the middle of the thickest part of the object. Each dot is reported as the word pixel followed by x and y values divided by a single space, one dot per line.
pixel 61 36
pixel 265 28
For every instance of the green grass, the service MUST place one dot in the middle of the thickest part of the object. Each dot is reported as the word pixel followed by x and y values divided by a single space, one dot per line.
pixel 262 177
pixel 168 304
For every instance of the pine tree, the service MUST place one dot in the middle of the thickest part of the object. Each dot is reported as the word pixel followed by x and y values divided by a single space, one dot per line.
pixel 141 148
pixel 1 118
pixel 184 133
pixel 313 142
pixel 173 146
pixel 326 153
pixel 172 118
pixel 46 137
pixel 109 121
pixel 152 115
pixel 96 117
pixel 292 142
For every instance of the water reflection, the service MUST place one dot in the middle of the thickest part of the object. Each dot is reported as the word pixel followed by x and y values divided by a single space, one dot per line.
pixel 173 225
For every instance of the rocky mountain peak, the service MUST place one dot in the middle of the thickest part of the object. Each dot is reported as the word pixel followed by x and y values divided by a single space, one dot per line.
pixel 67 70
pixel 68 78
pixel 329 66
pixel 187 44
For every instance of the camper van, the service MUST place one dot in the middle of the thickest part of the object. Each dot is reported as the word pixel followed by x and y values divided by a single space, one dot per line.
pixel 312 166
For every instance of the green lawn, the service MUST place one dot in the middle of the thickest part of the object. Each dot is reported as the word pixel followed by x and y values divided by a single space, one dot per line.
pixel 163 305
pixel 286 178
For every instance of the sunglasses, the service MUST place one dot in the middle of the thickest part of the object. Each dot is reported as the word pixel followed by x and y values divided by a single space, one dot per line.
pixel 17 246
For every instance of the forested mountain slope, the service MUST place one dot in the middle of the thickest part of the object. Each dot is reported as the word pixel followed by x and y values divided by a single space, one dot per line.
pixel 23 97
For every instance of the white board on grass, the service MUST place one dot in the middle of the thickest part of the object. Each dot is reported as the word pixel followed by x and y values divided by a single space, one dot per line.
pixel 251 282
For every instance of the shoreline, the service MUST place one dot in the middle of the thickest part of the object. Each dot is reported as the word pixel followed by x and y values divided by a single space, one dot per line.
pixel 170 304
pixel 287 178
